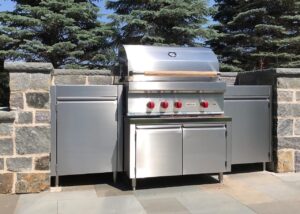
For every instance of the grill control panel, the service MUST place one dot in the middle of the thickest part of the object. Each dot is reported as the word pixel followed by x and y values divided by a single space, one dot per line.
pixel 172 104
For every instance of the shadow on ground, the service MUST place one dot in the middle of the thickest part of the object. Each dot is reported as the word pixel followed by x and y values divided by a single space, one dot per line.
pixel 124 183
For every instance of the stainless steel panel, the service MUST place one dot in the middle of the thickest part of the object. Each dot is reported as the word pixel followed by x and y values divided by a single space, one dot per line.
pixel 53 131
pixel 143 78
pixel 72 91
pixel 158 152
pixel 141 58
pixel 204 150
pixel 86 137
pixel 137 104
pixel 251 138
pixel 177 87
pixel 247 91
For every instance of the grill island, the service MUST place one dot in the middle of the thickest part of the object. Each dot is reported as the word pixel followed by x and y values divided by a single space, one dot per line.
pixel 174 121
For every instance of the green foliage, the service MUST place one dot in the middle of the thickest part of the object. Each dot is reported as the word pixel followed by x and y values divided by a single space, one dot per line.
pixel 61 32
pixel 257 34
pixel 175 22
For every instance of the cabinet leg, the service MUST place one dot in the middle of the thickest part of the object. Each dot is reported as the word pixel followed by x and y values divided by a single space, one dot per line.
pixel 220 177
pixel 264 166
pixel 133 184
pixel 115 175
pixel 56 181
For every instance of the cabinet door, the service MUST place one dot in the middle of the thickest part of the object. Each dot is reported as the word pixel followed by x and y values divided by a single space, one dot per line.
pixel 250 130
pixel 158 152
pixel 204 149
pixel 86 137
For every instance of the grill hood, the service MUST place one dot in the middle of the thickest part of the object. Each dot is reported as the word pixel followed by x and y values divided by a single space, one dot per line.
pixel 142 62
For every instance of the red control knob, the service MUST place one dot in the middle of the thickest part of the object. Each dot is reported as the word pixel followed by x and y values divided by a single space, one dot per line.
pixel 164 104
pixel 151 104
pixel 204 104
pixel 178 104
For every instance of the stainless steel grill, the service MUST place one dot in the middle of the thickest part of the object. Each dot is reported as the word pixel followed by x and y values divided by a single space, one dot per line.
pixel 174 121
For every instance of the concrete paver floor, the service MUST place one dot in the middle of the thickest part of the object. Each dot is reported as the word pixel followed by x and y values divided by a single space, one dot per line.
pixel 254 192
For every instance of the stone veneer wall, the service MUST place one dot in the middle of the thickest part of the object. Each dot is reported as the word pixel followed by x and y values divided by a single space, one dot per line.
pixel 286 113
pixel 25 130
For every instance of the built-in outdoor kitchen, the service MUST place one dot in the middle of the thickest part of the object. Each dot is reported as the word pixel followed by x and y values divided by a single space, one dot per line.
pixel 170 114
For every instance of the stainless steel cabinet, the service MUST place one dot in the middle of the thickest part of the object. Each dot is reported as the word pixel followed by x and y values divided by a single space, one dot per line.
pixel 157 147
pixel 158 151
pixel 250 109
pixel 86 136
pixel 204 149
pixel 86 126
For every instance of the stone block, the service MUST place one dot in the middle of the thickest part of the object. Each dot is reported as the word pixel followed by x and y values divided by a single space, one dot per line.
pixel 32 182
pixel 288 83
pixel 16 100
pixel 1 164
pixel 288 110
pixel 297 127
pixel 33 140
pixel 40 81
pixel 100 80
pixel 285 161
pixel 6 183
pixel 6 146
pixel 297 161
pixel 25 117
pixel 7 116
pixel 288 142
pixel 284 96
pixel 19 81
pixel 27 81
pixel 6 129
pixel 19 164
pixel 42 163
pixel 42 116
pixel 37 100
pixel 285 127
pixel 297 96
pixel 70 80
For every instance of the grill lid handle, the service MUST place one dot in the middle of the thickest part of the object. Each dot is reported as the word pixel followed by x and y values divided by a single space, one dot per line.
pixel 182 73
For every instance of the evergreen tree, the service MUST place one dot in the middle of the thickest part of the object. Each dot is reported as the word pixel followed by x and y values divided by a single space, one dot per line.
pixel 257 34
pixel 65 33
pixel 177 22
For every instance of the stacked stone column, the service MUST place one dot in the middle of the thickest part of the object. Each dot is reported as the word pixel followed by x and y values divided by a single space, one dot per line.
pixel 26 143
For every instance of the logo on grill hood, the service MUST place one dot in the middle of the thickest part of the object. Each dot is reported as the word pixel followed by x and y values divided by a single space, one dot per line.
pixel 172 54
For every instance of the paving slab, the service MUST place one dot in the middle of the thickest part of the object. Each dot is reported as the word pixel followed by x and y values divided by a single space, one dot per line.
pixel 37 207
pixel 239 191
pixel 8 203
pixel 163 205
pixel 105 190
pixel 279 207
pixel 209 202
pixel 117 204
pixel 288 177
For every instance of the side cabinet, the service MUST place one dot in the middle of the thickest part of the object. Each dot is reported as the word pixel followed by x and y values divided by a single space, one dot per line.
pixel 204 149
pixel 86 124
pixel 86 136
pixel 250 109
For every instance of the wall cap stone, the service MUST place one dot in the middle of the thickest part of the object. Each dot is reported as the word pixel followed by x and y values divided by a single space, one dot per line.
pixel 7 116
pixel 228 74
pixel 86 72
pixel 28 67
pixel 292 71
pixel 278 71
